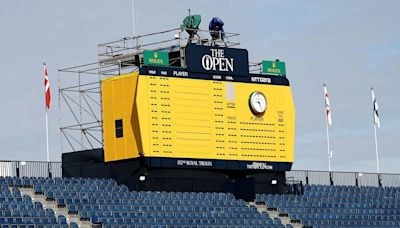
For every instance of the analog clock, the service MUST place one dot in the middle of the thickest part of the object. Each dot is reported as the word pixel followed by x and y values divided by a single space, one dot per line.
pixel 258 103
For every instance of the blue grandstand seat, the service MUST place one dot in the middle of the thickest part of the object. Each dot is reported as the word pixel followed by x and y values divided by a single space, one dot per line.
pixel 73 225
pixel 62 219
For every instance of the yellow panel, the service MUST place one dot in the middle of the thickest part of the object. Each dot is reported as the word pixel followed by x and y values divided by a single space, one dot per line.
pixel 190 118
pixel 118 102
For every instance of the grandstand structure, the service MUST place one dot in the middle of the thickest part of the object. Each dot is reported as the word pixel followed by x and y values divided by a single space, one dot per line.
pixel 30 198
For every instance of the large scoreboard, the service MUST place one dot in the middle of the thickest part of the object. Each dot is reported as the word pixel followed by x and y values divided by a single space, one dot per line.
pixel 213 114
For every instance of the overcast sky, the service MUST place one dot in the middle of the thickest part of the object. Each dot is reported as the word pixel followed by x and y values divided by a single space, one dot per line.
pixel 349 45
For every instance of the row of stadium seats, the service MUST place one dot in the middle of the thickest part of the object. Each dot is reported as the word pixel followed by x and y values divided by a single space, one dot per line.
pixel 29 181
pixel 318 223
pixel 134 195
pixel 331 200
pixel 160 214
pixel 187 204
pixel 190 209
pixel 11 225
pixel 339 206
pixel 9 211
pixel 338 211
pixel 364 189
pixel 187 222
pixel 372 208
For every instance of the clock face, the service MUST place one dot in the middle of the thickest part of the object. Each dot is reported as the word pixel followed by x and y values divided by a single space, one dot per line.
pixel 258 103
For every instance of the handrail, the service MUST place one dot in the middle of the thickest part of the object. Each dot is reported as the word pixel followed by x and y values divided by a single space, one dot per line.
pixel 54 169
pixel 30 169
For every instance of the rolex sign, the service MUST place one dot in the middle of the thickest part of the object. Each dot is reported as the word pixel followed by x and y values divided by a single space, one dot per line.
pixel 155 58
pixel 217 60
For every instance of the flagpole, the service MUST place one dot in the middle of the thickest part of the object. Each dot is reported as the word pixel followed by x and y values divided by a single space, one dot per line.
pixel 328 121
pixel 47 137
pixel 46 107
pixel 329 147
pixel 376 151
pixel 134 18
pixel 135 29
pixel 376 123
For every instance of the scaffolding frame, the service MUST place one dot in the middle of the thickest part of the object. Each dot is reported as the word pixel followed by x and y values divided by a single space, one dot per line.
pixel 79 87
pixel 80 94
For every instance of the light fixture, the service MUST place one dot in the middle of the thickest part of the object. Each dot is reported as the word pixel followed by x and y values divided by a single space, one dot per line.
pixel 142 178
pixel 274 182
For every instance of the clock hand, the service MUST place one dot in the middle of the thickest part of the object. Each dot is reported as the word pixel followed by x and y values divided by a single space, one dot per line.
pixel 259 104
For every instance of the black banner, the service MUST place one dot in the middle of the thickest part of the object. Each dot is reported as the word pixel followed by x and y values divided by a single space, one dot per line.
pixel 217 60
pixel 183 73
pixel 211 164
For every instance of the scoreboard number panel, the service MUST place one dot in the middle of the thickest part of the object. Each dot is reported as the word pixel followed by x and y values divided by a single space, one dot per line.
pixel 206 119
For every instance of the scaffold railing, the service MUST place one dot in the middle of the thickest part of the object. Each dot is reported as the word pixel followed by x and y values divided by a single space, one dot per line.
pixel 255 67
pixel 160 40
pixel 127 53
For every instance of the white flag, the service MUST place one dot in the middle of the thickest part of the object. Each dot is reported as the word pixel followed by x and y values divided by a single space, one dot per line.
pixel 375 104
pixel 327 106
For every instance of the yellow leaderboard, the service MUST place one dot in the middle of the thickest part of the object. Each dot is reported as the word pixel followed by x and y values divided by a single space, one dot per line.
pixel 185 118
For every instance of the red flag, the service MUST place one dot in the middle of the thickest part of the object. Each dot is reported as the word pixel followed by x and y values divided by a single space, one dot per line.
pixel 47 86
pixel 327 106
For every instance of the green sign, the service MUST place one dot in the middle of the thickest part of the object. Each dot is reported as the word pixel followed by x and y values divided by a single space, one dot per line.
pixel 272 67
pixel 155 58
